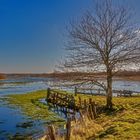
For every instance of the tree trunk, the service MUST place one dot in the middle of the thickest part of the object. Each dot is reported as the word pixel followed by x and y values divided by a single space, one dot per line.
pixel 109 91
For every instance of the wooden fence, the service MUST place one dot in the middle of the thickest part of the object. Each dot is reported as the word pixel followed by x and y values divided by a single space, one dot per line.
pixel 75 103
pixel 68 101
pixel 61 99
pixel 100 92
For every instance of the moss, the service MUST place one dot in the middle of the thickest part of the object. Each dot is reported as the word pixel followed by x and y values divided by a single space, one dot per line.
pixel 30 105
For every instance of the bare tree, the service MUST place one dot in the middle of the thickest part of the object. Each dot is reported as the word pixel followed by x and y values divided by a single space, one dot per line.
pixel 103 40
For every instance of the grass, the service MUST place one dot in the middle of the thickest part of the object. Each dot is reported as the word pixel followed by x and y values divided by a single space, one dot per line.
pixel 122 123
pixel 30 106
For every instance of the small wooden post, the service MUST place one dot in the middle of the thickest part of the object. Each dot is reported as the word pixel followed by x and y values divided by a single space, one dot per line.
pixel 48 93
pixel 90 101
pixel 85 103
pixel 80 101
pixel 75 91
pixel 99 91
pixel 94 109
pixel 68 129
pixel 91 112
pixel 72 102
pixel 90 109
pixel 51 132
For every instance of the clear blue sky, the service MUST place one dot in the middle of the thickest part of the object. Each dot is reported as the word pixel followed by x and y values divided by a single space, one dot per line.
pixel 32 32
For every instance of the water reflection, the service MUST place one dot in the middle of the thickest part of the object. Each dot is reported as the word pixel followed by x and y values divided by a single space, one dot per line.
pixel 11 124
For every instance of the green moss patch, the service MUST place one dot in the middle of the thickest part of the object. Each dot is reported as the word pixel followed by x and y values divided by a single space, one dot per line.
pixel 30 105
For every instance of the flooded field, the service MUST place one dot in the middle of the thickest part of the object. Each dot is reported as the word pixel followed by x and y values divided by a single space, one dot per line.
pixel 13 122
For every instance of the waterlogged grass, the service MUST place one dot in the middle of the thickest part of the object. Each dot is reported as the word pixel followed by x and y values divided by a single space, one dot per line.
pixel 122 123
pixel 30 106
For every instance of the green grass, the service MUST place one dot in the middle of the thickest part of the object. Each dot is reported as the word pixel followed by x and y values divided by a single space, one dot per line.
pixel 123 123
pixel 30 105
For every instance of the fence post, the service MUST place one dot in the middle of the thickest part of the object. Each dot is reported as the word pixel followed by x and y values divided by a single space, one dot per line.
pixel 90 101
pixel 51 132
pixel 85 103
pixel 75 91
pixel 80 102
pixel 94 109
pixel 68 129
pixel 99 91
pixel 48 93
pixel 90 109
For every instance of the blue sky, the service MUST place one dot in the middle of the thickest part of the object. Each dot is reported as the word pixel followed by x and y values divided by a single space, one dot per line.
pixel 33 32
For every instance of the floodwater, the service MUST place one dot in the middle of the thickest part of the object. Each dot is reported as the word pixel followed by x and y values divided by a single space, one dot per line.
pixel 10 118
pixel 22 85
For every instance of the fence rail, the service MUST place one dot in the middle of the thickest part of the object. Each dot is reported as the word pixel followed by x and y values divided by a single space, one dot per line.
pixel 101 92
